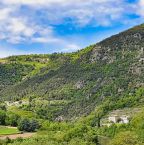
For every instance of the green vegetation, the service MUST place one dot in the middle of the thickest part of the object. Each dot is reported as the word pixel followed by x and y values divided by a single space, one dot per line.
pixel 28 125
pixel 68 95
pixel 8 131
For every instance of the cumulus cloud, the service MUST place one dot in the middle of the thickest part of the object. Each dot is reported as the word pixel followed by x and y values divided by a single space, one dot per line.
pixel 70 48
pixel 140 8
pixel 17 29
pixel 49 2
pixel 20 25
pixel 7 51
pixel 32 21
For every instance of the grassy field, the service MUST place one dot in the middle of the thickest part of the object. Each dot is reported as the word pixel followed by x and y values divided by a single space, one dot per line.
pixel 7 131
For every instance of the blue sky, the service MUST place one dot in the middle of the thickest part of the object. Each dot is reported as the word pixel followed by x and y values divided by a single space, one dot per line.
pixel 47 26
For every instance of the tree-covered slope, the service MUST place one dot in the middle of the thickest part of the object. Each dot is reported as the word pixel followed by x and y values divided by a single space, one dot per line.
pixel 107 75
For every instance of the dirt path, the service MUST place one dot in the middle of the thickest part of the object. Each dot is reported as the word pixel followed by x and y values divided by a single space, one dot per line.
pixel 14 136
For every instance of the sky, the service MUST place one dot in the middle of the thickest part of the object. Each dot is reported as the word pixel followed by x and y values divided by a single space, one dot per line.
pixel 48 26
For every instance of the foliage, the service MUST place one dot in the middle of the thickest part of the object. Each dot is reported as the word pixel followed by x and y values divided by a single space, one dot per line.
pixel 80 87
pixel 28 125
pixel 12 119
pixel 126 138
pixel 2 117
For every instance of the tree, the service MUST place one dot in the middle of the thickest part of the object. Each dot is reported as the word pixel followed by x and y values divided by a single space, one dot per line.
pixel 96 121
pixel 2 117
pixel 28 125
pixel 24 125
pixel 3 107
pixel 12 119
pixel 34 125
pixel 96 140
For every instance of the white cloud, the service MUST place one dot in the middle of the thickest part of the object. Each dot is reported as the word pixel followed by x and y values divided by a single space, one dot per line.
pixel 4 13
pixel 46 39
pixel 140 8
pixel 15 29
pixel 8 51
pixel 82 12
pixel 49 2
pixel 12 28
pixel 17 26
pixel 70 48
pixel 32 23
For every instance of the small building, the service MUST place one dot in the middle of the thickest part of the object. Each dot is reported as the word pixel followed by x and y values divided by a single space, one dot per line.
pixel 119 119
pixel 124 119
pixel 113 119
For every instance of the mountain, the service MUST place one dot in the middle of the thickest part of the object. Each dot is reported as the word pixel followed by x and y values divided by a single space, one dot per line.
pixel 105 76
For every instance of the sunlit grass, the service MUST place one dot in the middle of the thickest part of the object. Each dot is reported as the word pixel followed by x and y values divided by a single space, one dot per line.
pixel 7 131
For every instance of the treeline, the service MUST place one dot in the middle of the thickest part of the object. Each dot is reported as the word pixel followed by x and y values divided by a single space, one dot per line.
pixel 83 132
pixel 23 124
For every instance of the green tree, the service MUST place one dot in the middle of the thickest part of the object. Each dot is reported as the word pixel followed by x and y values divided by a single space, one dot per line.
pixel 28 125
pixel 12 119
pixel 2 117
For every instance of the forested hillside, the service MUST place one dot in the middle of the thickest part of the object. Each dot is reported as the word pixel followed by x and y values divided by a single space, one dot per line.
pixel 107 74
pixel 68 96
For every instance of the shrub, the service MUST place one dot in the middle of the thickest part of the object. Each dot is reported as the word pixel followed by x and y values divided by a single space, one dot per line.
pixel 12 119
pixel 2 117
pixel 125 138
pixel 28 125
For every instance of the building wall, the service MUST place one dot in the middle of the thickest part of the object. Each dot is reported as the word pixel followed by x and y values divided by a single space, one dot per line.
pixel 114 119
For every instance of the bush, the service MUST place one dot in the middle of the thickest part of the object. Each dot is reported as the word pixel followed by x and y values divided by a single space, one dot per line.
pixel 28 125
pixel 12 119
pixel 125 138
pixel 2 117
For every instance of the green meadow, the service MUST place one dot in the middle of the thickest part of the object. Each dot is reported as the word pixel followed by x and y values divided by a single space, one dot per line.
pixel 8 131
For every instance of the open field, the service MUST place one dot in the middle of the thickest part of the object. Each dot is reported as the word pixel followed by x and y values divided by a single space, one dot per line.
pixel 8 130
pixel 13 133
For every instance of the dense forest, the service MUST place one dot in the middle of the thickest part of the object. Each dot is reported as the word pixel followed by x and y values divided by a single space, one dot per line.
pixel 66 96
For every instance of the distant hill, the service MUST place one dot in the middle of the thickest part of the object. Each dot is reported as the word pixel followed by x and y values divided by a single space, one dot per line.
pixel 109 74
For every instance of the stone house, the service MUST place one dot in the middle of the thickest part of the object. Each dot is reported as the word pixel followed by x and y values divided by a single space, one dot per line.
pixel 113 119
pixel 119 119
